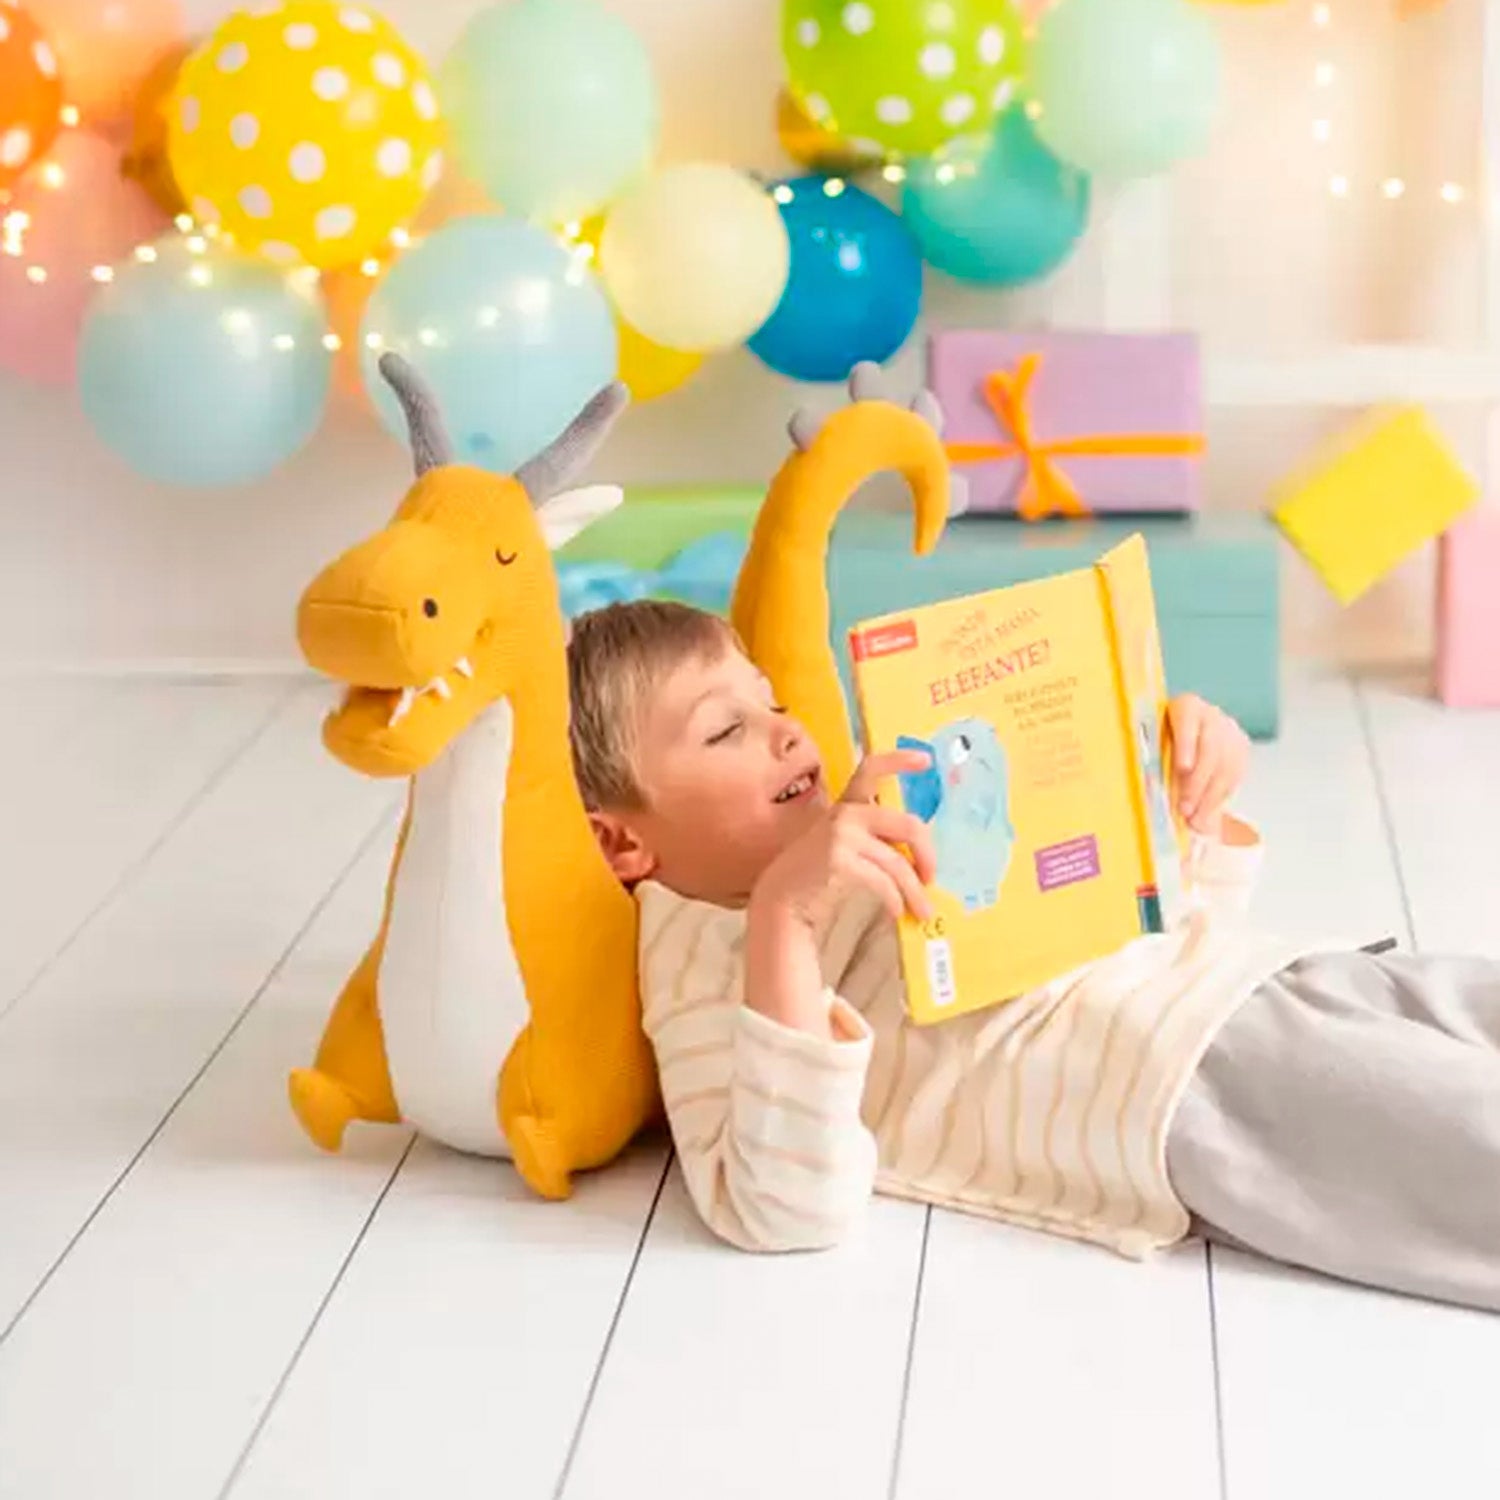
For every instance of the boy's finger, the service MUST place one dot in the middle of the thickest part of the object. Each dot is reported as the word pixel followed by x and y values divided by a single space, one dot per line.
pixel 1185 718
pixel 900 873
pixel 1213 799
pixel 896 827
pixel 875 768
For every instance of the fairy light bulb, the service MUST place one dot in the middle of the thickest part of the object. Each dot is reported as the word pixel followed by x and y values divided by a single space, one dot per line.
pixel 332 343
pixel 200 275
pixel 1393 187
pixel 196 244
pixel 283 342
pixel 782 193
pixel 374 341
pixel 69 116
pixel 184 222
pixel 1339 186
pixel 834 187
pixel 146 254
pixel 893 172
pixel 53 176
pixel 36 275
pixel 370 267
pixel 400 238
pixel 946 172
pixel 1452 193
pixel 103 274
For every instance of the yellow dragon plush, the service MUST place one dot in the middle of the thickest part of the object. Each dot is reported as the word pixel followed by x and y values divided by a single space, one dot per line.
pixel 497 1008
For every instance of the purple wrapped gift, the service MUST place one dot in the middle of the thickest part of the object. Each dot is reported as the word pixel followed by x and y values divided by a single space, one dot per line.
pixel 1044 424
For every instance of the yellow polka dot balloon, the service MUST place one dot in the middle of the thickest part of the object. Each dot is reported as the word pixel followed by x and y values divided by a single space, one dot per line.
pixel 308 133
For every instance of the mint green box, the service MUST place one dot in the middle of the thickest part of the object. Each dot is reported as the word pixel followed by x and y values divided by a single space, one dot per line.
pixel 1216 579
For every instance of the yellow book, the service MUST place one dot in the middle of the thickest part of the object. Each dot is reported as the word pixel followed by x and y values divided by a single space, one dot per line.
pixel 1043 707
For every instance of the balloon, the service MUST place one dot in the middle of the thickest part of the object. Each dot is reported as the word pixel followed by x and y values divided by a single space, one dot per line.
pixel 30 94
pixel 1001 211
pixel 106 48
pixel 855 285
pixel 810 145
pixel 309 132
pixel 347 290
pixel 649 370
pixel 552 106
pixel 72 217
pixel 1125 88
pixel 511 330
pixel 903 75
pixel 695 257
pixel 145 159
pixel 204 367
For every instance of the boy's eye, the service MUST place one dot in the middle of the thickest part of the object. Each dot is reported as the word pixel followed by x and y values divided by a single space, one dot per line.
pixel 724 734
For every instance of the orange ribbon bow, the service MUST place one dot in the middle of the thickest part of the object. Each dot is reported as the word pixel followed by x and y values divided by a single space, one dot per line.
pixel 1048 491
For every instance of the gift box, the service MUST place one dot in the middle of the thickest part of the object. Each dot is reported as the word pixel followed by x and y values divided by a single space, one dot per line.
pixel 1216 578
pixel 1382 489
pixel 1468 612
pixel 683 542
pixel 1072 424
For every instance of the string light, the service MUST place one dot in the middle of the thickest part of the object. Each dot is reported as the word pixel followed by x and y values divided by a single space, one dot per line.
pixel 1325 75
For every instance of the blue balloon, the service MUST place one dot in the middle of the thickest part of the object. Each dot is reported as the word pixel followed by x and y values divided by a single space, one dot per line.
pixel 204 368
pixel 509 328
pixel 854 288
pixel 1000 210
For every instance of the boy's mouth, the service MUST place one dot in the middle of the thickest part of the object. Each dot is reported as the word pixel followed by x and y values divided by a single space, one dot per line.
pixel 800 786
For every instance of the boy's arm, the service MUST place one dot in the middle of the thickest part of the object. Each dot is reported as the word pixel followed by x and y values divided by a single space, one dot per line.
pixel 1222 867
pixel 762 1090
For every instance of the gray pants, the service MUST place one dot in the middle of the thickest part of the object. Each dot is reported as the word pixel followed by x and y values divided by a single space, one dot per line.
pixel 1347 1120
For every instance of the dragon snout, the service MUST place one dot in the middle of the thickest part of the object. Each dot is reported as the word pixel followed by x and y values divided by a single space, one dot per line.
pixel 393 612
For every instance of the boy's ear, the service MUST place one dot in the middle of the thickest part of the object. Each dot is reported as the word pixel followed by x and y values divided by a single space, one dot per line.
pixel 623 847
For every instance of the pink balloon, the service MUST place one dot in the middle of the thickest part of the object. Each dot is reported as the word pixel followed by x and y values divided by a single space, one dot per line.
pixel 107 48
pixel 71 213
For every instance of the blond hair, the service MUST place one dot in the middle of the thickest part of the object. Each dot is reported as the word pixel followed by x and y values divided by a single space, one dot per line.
pixel 615 655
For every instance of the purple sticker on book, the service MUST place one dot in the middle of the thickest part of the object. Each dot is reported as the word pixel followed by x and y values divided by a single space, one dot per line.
pixel 1067 864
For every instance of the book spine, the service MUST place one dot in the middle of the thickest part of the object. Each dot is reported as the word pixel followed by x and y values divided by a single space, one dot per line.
pixel 1148 889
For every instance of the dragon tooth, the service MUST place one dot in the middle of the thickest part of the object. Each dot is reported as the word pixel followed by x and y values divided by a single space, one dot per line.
pixel 403 707
pixel 463 667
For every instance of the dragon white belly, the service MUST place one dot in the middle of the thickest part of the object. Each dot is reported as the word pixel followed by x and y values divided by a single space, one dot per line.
pixel 451 997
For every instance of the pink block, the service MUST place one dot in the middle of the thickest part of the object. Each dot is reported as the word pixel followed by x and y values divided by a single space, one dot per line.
pixel 1468 612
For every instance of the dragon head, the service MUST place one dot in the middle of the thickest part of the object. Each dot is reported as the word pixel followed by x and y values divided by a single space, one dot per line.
pixel 439 614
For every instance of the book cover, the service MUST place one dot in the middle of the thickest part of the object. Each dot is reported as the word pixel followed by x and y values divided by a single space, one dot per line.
pixel 1043 707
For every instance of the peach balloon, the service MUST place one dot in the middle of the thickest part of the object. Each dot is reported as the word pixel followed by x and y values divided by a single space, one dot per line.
pixel 72 217
pixel 107 49
pixel 146 156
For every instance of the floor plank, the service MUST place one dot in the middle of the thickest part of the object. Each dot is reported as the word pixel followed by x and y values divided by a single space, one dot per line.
pixel 1329 1389
pixel 112 782
pixel 1070 1370
pixel 733 1375
pixel 174 1317
pixel 457 1353
pixel 95 1057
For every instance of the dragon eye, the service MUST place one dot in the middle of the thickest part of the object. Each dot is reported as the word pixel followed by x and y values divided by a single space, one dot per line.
pixel 505 559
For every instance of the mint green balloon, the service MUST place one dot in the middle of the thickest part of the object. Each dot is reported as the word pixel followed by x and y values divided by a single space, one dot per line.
pixel 902 77
pixel 551 106
pixel 1125 88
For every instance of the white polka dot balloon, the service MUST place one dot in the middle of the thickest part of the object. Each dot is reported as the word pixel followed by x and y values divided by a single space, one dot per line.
pixel 907 75
pixel 307 133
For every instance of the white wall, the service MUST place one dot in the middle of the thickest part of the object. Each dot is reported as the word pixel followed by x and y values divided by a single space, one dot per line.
pixel 99 564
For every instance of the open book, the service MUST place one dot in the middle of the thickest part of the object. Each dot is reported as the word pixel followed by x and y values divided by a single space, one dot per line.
pixel 1043 707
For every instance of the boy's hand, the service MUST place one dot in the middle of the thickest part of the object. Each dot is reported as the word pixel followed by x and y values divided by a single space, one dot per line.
pixel 854 845
pixel 1210 755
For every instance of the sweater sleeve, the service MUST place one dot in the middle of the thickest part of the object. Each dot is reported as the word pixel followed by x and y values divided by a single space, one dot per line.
pixel 766 1120
pixel 1221 873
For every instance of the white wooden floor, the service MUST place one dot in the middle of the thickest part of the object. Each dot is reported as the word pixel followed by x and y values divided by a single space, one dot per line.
pixel 194 1303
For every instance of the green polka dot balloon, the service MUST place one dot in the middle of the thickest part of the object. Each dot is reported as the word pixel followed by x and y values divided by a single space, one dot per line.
pixel 903 76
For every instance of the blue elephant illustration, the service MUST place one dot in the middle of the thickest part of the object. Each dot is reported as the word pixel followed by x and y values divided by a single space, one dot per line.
pixel 965 795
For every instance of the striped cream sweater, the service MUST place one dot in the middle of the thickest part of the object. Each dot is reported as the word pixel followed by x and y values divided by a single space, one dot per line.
pixel 1050 1111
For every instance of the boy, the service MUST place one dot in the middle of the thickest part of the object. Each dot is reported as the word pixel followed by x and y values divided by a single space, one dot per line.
pixel 1340 1112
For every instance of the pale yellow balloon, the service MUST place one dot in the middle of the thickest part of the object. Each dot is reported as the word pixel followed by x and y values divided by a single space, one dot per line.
pixel 695 257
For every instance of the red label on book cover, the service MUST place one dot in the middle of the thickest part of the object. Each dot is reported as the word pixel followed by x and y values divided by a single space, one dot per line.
pixel 885 640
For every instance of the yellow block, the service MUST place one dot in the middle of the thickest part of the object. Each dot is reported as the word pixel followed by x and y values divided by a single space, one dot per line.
pixel 1386 488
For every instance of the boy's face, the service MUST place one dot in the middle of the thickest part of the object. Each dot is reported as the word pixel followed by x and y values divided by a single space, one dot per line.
pixel 729 780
